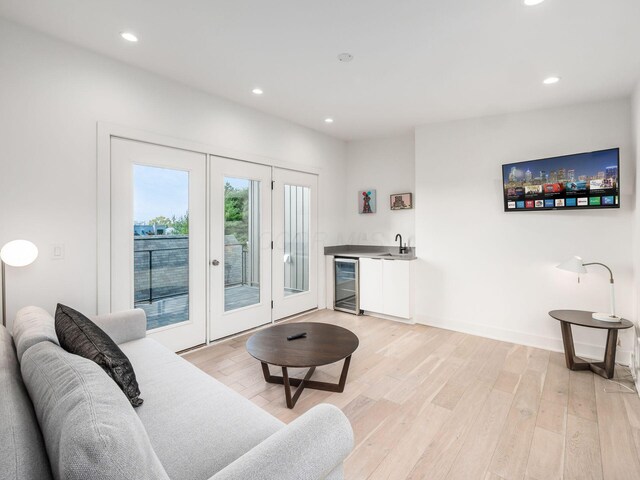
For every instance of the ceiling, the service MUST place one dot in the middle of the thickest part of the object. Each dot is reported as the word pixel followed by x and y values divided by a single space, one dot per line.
pixel 415 61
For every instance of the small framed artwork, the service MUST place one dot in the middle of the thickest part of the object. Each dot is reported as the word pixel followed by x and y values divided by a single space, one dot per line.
pixel 367 201
pixel 401 201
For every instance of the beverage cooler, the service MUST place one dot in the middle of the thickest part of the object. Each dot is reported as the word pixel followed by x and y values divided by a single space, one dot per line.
pixel 347 285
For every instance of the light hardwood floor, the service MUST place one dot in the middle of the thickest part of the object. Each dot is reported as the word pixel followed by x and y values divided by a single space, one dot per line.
pixel 427 403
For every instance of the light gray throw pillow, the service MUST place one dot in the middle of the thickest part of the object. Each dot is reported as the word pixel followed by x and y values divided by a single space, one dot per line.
pixel 89 427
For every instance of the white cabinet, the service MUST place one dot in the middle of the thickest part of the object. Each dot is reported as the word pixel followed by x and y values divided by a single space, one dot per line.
pixel 386 287
pixel 371 284
pixel 396 293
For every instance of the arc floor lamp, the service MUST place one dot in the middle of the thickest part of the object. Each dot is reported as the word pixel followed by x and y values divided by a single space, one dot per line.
pixel 17 253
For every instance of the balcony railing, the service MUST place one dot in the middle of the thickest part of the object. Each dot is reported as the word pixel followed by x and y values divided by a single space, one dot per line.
pixel 231 277
pixel 162 273
pixel 175 281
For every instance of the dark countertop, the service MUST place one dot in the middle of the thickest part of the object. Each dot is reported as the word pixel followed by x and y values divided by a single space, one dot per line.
pixel 370 251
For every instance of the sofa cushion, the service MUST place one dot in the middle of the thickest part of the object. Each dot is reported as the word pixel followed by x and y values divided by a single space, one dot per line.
pixel 89 427
pixel 32 325
pixel 123 326
pixel 212 424
pixel 22 452
pixel 79 335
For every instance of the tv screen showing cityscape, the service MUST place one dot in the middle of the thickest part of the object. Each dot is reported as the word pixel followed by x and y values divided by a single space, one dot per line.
pixel 580 181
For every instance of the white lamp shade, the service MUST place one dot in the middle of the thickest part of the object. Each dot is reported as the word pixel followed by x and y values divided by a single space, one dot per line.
pixel 574 264
pixel 19 253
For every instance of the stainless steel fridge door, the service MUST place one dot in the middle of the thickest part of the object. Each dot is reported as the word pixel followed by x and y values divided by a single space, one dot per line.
pixel 346 285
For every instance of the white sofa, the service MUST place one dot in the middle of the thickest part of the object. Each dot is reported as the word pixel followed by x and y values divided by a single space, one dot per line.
pixel 190 427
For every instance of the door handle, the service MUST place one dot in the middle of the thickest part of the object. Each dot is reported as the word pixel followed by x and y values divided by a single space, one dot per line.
pixel 215 263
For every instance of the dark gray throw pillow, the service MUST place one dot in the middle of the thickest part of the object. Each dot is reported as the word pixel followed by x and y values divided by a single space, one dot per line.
pixel 80 336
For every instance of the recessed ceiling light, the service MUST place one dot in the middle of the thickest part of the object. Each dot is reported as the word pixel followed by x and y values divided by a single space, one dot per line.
pixel 129 37
pixel 328 120
pixel 257 91
pixel 531 3
pixel 551 80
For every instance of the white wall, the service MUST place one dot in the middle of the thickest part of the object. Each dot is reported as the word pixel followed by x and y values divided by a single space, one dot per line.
pixel 51 97
pixel 388 166
pixel 635 101
pixel 492 273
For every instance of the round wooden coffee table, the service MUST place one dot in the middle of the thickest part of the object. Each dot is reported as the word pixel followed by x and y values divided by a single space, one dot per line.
pixel 324 344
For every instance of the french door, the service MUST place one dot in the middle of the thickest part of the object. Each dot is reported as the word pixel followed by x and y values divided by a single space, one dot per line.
pixel 240 246
pixel 295 259
pixel 197 238
pixel 158 239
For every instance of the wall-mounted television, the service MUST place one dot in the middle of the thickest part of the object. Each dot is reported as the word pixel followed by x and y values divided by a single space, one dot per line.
pixel 571 182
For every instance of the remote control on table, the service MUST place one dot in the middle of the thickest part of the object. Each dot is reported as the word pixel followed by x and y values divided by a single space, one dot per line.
pixel 297 335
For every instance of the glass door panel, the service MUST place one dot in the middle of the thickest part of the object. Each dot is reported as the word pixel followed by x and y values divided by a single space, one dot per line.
pixel 240 250
pixel 346 285
pixel 241 243
pixel 296 239
pixel 161 244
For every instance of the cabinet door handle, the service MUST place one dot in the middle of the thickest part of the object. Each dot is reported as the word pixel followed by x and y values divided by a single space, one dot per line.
pixel 215 263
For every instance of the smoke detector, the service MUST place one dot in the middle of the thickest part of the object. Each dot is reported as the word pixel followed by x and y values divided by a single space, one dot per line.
pixel 345 57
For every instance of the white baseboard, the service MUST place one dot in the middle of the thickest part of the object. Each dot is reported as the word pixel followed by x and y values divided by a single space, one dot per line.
pixel 388 317
pixel 589 351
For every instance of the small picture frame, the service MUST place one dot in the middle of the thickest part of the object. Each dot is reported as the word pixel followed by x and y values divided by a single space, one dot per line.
pixel 367 201
pixel 401 201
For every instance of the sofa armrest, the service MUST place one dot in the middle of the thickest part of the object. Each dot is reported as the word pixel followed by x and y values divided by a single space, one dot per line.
pixel 124 326
pixel 311 447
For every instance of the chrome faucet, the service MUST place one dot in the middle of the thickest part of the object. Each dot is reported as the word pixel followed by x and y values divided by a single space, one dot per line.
pixel 403 249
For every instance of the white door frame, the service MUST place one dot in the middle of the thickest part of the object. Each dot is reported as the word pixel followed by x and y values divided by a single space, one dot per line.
pixel 127 153
pixel 104 132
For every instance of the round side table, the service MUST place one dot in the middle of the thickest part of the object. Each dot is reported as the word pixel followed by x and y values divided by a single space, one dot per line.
pixel 584 319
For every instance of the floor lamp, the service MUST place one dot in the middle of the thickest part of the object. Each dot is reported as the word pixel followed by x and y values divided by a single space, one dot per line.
pixel 17 253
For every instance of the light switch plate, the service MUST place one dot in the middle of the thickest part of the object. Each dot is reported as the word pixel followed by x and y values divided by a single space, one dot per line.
pixel 57 251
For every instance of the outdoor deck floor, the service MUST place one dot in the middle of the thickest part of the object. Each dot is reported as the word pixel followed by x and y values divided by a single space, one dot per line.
pixel 173 310
pixel 239 296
